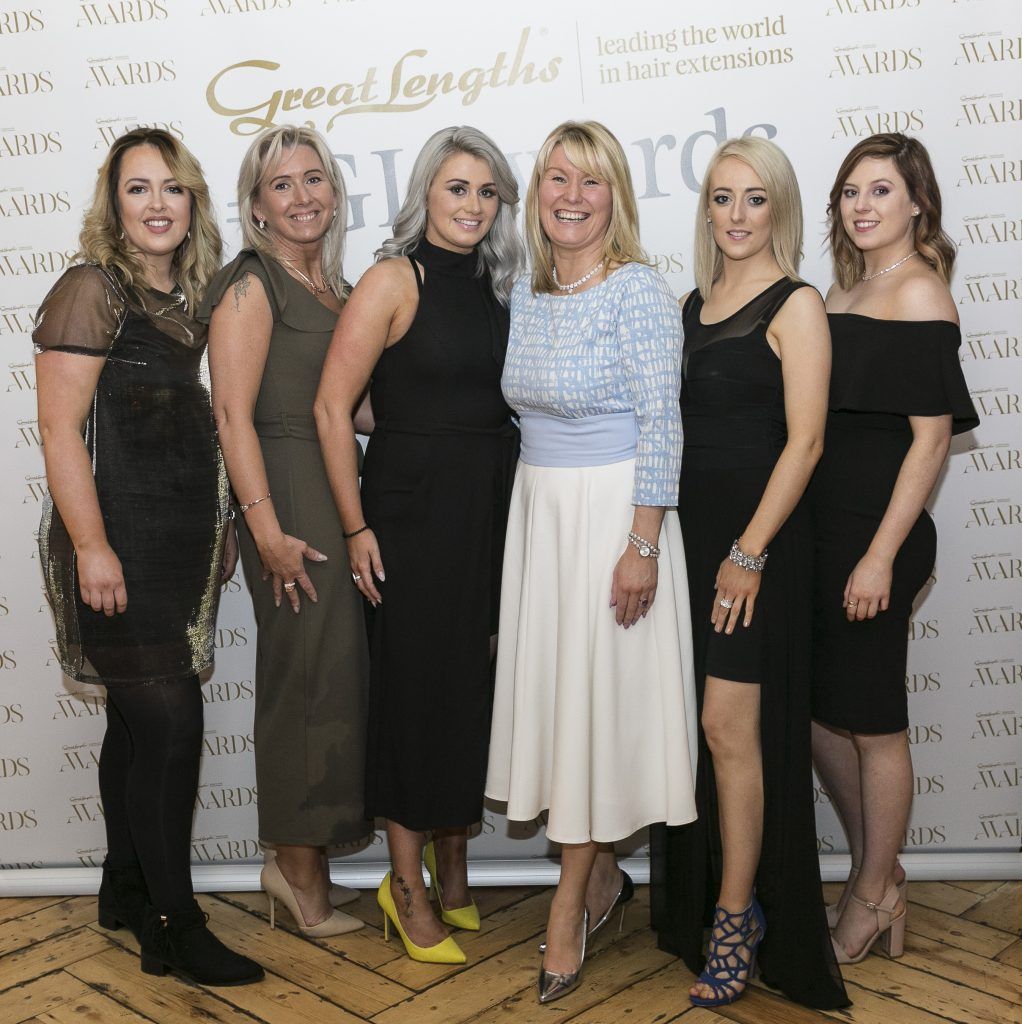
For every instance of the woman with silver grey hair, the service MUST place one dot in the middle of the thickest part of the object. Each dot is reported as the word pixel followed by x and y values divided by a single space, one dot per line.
pixel 271 313
pixel 428 326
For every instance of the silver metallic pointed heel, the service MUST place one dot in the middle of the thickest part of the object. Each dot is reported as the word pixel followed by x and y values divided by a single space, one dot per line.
pixel 624 894
pixel 623 897
pixel 550 985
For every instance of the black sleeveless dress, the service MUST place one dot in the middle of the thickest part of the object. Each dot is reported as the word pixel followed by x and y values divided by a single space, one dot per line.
pixel 732 406
pixel 436 486
pixel 883 372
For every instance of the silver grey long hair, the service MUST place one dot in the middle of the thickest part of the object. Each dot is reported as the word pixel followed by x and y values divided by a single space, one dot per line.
pixel 501 250
pixel 260 160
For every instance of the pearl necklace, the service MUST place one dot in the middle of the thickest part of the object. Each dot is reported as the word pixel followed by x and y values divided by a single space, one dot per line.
pixel 307 280
pixel 893 266
pixel 569 288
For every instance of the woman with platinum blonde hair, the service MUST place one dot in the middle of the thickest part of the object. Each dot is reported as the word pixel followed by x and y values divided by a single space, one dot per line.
pixel 427 327
pixel 594 711
pixel 754 403
pixel 271 313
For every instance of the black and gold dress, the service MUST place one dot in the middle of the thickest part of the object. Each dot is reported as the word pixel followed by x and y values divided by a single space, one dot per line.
pixel 159 477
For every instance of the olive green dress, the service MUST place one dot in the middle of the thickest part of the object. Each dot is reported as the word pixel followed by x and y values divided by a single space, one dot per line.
pixel 311 668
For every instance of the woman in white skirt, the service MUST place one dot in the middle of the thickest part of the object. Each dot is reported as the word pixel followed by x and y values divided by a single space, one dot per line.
pixel 594 715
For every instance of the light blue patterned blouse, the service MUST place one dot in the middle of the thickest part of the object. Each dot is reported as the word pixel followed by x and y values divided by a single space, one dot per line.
pixel 613 348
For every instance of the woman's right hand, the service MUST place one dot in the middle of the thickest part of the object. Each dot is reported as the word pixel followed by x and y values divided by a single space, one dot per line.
pixel 101 579
pixel 283 558
pixel 366 565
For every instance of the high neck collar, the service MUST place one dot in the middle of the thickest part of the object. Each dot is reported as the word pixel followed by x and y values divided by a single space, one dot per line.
pixel 446 260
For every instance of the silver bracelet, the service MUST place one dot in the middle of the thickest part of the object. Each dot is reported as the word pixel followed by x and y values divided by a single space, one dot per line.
pixel 744 561
pixel 645 548
pixel 252 504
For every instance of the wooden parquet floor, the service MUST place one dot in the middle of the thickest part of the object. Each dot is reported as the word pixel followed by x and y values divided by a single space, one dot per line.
pixel 962 963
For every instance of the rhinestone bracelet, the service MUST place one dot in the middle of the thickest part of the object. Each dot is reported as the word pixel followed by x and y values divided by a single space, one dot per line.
pixel 645 548
pixel 252 504
pixel 744 561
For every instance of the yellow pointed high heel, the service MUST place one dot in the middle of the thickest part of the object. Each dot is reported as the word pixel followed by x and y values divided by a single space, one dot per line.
pixel 446 952
pixel 466 918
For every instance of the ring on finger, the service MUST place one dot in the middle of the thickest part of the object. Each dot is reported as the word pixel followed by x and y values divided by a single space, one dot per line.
pixel 852 604
pixel 290 586
pixel 726 602
pixel 355 577
pixel 644 601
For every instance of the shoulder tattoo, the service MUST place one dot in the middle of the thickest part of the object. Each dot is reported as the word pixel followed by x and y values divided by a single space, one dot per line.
pixel 241 287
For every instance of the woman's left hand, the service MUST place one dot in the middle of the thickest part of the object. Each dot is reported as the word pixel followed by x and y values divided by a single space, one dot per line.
pixel 868 589
pixel 738 587
pixel 230 553
pixel 633 588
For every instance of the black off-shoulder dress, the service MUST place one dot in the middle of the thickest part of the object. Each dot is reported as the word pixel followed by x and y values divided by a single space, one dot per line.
pixel 883 372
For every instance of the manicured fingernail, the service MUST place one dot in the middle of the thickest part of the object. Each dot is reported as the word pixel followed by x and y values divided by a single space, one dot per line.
pixel 321 558
pixel 382 576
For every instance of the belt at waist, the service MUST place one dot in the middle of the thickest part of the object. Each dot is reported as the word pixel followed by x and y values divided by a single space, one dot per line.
pixel 389 426
pixel 288 424
pixel 549 440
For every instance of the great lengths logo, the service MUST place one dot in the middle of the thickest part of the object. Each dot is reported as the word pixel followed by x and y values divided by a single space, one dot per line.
pixel 411 86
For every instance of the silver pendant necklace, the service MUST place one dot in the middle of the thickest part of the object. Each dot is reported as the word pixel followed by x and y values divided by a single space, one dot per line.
pixel 569 288
pixel 893 266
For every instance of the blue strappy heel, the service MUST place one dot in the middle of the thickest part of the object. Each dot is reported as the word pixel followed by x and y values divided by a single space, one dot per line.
pixel 725 967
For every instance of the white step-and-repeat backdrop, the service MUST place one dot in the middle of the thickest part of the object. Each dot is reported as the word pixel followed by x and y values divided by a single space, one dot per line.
pixel 671 79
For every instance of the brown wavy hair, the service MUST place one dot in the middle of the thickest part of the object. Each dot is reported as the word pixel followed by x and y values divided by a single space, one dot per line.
pixel 912 160
pixel 101 241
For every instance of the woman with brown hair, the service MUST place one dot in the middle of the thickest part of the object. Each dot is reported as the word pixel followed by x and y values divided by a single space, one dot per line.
pixel 134 528
pixel 897 395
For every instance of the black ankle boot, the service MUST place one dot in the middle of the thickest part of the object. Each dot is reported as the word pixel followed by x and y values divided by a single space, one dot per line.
pixel 123 897
pixel 181 942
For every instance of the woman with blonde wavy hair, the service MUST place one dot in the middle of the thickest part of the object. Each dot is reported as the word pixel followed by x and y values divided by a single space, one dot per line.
pixel 594 711
pixel 271 313
pixel 134 528
pixel 753 403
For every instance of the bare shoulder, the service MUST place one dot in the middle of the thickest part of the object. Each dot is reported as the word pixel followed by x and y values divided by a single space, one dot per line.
pixel 804 306
pixel 837 299
pixel 922 295
pixel 387 275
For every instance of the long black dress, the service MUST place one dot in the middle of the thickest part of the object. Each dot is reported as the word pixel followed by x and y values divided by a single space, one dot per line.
pixel 435 488
pixel 732 406
pixel 883 372
pixel 160 481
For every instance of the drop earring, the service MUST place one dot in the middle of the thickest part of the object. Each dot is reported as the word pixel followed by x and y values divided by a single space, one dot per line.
pixel 262 225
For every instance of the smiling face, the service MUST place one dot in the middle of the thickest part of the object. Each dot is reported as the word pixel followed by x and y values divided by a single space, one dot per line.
pixel 461 204
pixel 155 211
pixel 739 210
pixel 877 210
pixel 295 200
pixel 574 206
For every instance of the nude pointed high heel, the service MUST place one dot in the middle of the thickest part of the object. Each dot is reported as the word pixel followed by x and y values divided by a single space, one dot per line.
pixel 890 928
pixel 276 887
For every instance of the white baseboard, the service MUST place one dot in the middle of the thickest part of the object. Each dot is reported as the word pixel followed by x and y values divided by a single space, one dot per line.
pixel 534 871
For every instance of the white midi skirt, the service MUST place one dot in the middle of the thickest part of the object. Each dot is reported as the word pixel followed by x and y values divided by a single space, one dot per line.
pixel 592 722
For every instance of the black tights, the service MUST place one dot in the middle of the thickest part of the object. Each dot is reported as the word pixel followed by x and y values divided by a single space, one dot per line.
pixel 148 780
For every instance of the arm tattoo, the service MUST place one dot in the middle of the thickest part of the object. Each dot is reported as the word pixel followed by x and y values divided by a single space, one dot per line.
pixel 241 287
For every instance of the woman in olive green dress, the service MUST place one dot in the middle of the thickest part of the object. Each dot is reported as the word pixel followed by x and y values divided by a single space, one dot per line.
pixel 271 312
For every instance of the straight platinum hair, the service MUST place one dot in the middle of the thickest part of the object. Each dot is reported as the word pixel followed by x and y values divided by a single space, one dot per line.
pixel 774 169
pixel 501 251
pixel 262 158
